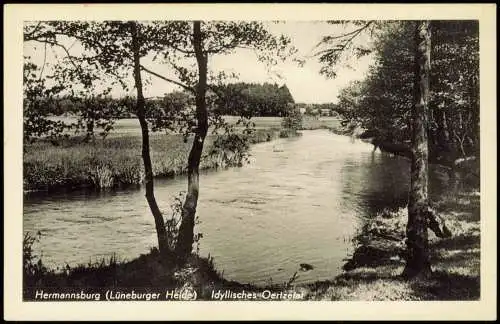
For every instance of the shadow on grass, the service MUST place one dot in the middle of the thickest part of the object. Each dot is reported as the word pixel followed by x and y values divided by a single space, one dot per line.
pixel 381 284
pixel 149 271
pixel 462 242
pixel 464 207
pixel 374 270
pixel 443 285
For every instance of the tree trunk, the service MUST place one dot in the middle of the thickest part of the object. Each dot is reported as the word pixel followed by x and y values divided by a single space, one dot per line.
pixel 186 230
pixel 148 169
pixel 89 118
pixel 418 263
pixel 444 132
pixel 89 137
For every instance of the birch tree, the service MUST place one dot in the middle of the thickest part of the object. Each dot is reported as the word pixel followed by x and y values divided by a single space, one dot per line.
pixel 420 215
pixel 418 202
pixel 115 50
pixel 190 60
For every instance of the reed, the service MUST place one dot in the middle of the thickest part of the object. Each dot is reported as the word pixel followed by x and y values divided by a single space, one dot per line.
pixel 115 161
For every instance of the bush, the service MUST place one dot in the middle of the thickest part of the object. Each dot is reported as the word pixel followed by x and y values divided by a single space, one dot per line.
pixel 33 268
pixel 293 121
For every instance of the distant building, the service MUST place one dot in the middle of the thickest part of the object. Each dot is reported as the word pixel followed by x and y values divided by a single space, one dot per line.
pixel 302 110
pixel 324 112
pixel 155 98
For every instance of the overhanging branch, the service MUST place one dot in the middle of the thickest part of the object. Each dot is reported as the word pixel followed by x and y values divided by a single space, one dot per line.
pixel 345 39
pixel 70 57
pixel 30 36
pixel 168 80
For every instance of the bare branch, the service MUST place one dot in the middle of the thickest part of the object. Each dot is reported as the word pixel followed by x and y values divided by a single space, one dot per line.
pixel 29 36
pixel 225 46
pixel 44 61
pixel 181 50
pixel 345 42
pixel 354 33
pixel 168 80
pixel 70 57
pixel 83 39
pixel 245 47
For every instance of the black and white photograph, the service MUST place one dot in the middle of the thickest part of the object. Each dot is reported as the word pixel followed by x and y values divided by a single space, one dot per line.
pixel 333 158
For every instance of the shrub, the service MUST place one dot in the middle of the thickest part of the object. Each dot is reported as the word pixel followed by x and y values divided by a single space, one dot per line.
pixel 33 268
pixel 293 120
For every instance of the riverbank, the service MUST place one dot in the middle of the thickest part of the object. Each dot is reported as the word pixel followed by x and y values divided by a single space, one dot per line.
pixel 116 161
pixel 372 273
pixel 149 273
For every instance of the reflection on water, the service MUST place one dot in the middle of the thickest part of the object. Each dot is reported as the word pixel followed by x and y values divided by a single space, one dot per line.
pixel 301 204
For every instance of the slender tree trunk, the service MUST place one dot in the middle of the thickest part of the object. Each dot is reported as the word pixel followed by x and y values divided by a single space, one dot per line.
pixel 89 117
pixel 141 115
pixel 186 230
pixel 417 262
pixel 444 132
pixel 476 123
pixel 443 138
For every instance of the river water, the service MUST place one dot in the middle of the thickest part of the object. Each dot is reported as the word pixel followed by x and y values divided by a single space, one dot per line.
pixel 299 200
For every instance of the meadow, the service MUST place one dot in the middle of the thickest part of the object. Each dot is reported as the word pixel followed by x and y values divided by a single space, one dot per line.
pixel 130 126
pixel 116 160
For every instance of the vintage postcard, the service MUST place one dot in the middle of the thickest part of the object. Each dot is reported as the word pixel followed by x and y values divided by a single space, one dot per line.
pixel 249 161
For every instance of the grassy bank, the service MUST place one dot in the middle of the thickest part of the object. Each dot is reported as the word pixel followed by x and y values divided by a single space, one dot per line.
pixel 116 161
pixel 373 272
pixel 150 272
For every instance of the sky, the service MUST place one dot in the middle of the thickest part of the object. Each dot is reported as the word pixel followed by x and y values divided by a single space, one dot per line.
pixel 305 83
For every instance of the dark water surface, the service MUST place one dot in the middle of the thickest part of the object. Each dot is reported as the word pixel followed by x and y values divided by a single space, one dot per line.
pixel 300 200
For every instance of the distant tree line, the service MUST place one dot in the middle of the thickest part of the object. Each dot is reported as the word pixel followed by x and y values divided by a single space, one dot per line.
pixel 237 99
pixel 253 99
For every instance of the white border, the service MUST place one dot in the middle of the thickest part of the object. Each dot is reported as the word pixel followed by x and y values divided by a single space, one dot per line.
pixel 15 309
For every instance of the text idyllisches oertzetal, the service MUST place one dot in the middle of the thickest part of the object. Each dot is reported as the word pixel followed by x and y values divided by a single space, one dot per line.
pixel 173 294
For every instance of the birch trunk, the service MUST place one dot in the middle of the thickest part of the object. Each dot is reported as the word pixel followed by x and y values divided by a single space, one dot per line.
pixel 185 238
pixel 417 262
pixel 148 169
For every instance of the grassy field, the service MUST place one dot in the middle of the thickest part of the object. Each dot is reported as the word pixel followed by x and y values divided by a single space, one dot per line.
pixel 308 122
pixel 130 126
pixel 116 161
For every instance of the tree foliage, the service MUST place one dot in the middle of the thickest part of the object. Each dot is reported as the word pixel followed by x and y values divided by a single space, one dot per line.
pixel 381 102
pixel 252 99
pixel 112 52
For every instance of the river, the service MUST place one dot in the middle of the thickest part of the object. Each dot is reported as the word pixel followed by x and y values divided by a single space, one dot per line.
pixel 299 200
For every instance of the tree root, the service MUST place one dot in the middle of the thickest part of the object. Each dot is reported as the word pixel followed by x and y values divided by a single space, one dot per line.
pixel 437 224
